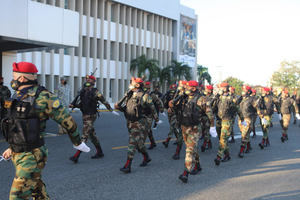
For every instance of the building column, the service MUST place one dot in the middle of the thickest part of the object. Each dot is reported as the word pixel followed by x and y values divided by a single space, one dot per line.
pixel 101 48
pixel 107 89
pixel 115 89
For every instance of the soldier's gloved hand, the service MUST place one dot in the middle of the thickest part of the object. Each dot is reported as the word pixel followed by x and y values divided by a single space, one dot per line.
pixel 279 116
pixel 244 123
pixel 264 121
pixel 298 116
pixel 7 154
pixel 82 147
pixel 213 131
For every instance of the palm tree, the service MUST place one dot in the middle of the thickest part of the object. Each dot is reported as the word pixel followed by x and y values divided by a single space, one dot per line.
pixel 142 64
pixel 202 73
pixel 175 72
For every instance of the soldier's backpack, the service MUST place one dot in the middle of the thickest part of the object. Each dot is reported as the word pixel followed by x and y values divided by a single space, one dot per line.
pixel 133 110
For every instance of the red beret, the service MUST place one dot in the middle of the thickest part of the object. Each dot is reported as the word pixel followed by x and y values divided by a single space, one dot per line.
pixel 24 67
pixel 182 82
pixel 91 77
pixel 138 80
pixel 224 84
pixel 192 83
pixel 148 83
pixel 253 90
pixel 232 88
pixel 210 87
pixel 247 87
pixel 286 91
pixel 266 89
pixel 173 86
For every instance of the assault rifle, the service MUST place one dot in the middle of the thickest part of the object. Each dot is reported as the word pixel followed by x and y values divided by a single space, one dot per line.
pixel 75 103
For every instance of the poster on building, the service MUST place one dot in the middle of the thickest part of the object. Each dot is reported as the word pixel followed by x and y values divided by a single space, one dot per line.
pixel 188 40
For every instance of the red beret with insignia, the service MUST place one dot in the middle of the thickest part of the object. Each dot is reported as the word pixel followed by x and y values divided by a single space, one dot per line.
pixel 224 84
pixel 266 89
pixel 148 83
pixel 253 90
pixel 24 67
pixel 138 80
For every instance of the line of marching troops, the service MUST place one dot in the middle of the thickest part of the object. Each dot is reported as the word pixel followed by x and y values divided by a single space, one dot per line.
pixel 193 112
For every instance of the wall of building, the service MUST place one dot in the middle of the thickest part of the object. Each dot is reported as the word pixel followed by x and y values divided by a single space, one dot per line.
pixel 111 34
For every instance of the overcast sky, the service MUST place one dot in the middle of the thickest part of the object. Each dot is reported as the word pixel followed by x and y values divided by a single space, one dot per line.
pixel 246 39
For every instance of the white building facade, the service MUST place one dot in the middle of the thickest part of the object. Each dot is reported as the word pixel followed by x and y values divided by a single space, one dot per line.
pixel 110 34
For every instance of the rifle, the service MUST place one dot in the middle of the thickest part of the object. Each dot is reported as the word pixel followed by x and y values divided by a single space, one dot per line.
pixel 122 103
pixel 75 103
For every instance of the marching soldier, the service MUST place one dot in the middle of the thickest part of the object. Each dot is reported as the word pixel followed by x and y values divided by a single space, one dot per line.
pixel 286 103
pixel 149 115
pixel 89 97
pixel 205 122
pixel 234 113
pixel 28 110
pixel 193 106
pixel 265 111
pixel 247 108
pixel 176 111
pixel 254 116
pixel 226 107
pixel 134 104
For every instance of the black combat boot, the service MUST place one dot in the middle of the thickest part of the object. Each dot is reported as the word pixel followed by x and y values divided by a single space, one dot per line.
pixel 152 141
pixel 226 157
pixel 146 159
pixel 242 151
pixel 127 167
pixel 176 156
pixel 254 133
pixel 99 153
pixel 271 124
pixel 197 168
pixel 184 176
pixel 249 148
pixel 75 157
pixel 262 144
pixel 218 160
pixel 295 121
pixel 284 137
pixel 166 143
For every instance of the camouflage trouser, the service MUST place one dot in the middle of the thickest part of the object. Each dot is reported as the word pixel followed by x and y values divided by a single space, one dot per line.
pixel 137 137
pixel 253 121
pixel 232 125
pixel 265 127
pixel 28 179
pixel 191 137
pixel 285 121
pixel 204 127
pixel 175 128
pixel 245 130
pixel 88 129
pixel 218 126
pixel 225 133
pixel 148 128
pixel 61 130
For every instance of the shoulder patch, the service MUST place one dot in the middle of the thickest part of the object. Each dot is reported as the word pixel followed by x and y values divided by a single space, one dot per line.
pixel 56 104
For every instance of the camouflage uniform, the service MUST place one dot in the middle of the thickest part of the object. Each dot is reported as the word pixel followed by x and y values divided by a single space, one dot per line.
pixel 265 111
pixel 30 163
pixel 205 123
pixel 247 108
pixel 173 119
pixel 149 117
pixel 226 107
pixel 190 119
pixel 254 116
pixel 286 104
pixel 89 117
pixel 136 124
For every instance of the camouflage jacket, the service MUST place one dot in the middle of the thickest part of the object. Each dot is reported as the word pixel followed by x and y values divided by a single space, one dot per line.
pixel 4 93
pixel 286 104
pixel 266 105
pixel 48 105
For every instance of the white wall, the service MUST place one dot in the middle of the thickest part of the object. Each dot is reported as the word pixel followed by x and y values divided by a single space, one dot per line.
pixel 7 60
pixel 37 22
